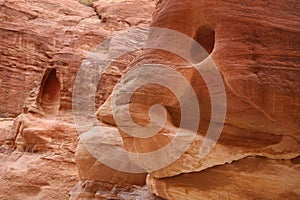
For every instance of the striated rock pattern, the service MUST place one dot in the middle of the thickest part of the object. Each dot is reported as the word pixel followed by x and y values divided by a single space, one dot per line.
pixel 118 15
pixel 248 178
pixel 41 127
pixel 255 46
pixel 42 46
pixel 36 35
pixel 5 126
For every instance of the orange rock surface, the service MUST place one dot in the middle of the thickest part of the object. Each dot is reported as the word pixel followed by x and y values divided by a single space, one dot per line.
pixel 255 46
pixel 42 46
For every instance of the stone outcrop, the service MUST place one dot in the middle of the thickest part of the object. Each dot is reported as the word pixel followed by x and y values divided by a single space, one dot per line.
pixel 254 45
pixel 90 190
pixel 5 126
pixel 38 154
pixel 89 168
pixel 40 127
pixel 248 178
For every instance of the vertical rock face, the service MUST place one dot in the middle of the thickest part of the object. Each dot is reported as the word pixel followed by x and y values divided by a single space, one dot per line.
pixel 43 44
pixel 39 35
pixel 41 127
pixel 97 177
pixel 35 36
pixel 255 46
pixel 43 34
pixel 119 15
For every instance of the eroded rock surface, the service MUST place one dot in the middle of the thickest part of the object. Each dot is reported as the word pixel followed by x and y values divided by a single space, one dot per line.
pixel 102 190
pixel 40 34
pixel 25 175
pixel 90 168
pixel 248 178
pixel 42 46
pixel 254 45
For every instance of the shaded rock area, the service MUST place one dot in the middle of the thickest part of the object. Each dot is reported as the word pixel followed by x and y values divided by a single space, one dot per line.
pixel 90 190
pixel 5 126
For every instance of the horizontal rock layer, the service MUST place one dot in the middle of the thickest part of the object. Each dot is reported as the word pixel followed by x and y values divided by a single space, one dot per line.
pixel 248 178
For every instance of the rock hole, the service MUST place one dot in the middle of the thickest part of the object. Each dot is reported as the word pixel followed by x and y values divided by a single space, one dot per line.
pixel 296 160
pixel 50 93
pixel 205 36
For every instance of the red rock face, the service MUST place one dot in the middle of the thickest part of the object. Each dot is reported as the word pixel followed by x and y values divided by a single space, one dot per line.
pixel 39 35
pixel 51 34
pixel 256 48
pixel 42 46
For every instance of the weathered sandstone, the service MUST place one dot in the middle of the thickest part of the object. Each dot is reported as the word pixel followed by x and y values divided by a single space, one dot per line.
pixel 256 49
pixel 248 178
pixel 43 44
pixel 255 46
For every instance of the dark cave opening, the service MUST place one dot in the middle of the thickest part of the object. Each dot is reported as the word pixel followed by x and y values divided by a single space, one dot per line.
pixel 50 94
pixel 205 36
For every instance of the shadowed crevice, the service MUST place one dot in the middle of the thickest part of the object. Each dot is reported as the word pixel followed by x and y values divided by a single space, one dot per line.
pixel 50 93
pixel 205 36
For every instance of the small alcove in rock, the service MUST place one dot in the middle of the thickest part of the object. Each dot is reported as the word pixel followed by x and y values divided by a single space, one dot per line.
pixel 205 36
pixel 49 100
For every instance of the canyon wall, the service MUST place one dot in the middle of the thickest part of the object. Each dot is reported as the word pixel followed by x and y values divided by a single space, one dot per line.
pixel 43 44
pixel 254 46
pixel 52 34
